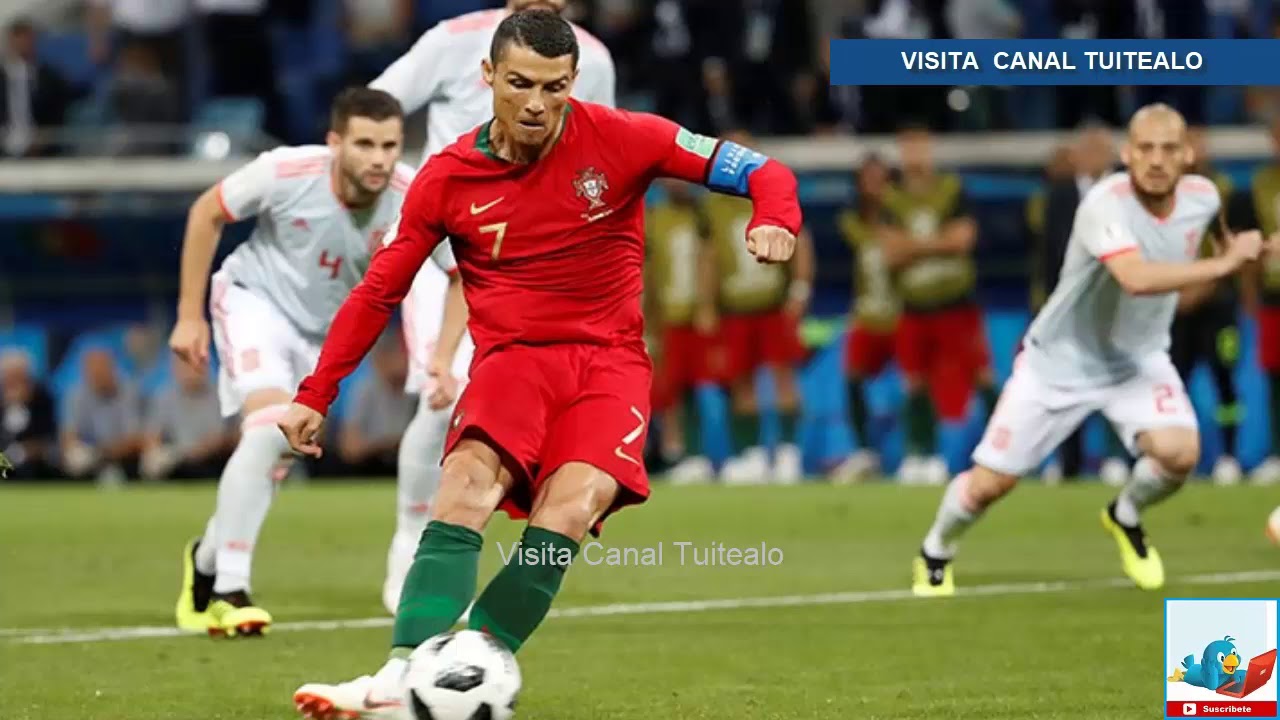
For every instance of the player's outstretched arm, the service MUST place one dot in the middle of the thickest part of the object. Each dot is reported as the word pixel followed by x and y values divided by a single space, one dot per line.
pixel 1139 276
pixel 364 315
pixel 414 79
pixel 724 166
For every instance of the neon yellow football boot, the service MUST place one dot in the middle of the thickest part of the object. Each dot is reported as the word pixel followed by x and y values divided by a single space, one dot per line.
pixel 234 615
pixel 931 578
pixel 191 613
pixel 1141 561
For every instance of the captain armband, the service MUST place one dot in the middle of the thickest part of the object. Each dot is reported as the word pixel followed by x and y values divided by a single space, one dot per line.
pixel 731 168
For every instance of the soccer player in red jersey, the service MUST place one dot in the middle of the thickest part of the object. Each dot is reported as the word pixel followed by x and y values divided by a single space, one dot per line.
pixel 544 209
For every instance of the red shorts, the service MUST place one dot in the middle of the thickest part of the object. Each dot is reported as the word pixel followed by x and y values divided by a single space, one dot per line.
pixel 688 358
pixel 1269 338
pixel 867 352
pixel 768 338
pixel 542 406
pixel 946 349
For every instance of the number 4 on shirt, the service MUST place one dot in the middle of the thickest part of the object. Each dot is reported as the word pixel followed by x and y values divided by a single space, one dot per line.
pixel 334 264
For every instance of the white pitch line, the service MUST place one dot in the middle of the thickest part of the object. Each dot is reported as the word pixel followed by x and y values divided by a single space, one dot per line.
pixel 70 636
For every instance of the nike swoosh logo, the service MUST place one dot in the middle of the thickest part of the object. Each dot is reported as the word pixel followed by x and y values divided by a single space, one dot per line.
pixel 484 208
pixel 371 704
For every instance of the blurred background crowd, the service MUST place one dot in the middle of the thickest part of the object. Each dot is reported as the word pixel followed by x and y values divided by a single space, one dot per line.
pixel 88 276
pixel 714 65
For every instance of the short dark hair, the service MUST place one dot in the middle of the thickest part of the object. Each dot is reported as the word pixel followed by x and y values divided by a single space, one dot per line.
pixel 542 31
pixel 377 105
pixel 21 26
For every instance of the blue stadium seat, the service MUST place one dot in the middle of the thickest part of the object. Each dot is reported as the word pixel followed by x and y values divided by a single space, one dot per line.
pixel 84 123
pixel 239 117
pixel 68 53
pixel 34 341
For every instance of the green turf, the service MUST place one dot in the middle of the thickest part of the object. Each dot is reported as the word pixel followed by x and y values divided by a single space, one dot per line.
pixel 79 558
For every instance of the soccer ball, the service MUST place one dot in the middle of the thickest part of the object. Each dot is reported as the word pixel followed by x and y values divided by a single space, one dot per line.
pixel 1273 526
pixel 463 675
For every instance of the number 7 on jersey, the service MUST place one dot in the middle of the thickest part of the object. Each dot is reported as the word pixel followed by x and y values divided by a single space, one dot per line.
pixel 500 231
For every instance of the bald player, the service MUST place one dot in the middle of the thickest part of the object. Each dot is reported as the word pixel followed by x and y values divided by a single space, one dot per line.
pixel 1101 343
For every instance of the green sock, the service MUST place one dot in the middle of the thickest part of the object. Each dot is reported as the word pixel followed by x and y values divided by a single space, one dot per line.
pixel 692 431
pixel 921 425
pixel 519 596
pixel 857 398
pixel 990 396
pixel 790 420
pixel 745 429
pixel 1273 380
pixel 441 581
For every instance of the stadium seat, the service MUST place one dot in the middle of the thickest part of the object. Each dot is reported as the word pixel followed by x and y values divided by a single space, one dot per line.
pixel 85 121
pixel 240 118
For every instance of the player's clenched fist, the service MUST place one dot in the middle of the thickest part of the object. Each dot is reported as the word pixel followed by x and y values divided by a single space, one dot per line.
pixel 771 244
pixel 1245 246
pixel 190 341
pixel 301 427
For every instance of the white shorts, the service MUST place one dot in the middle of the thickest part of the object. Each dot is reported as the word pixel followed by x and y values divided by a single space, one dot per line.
pixel 1033 417
pixel 258 349
pixel 422 313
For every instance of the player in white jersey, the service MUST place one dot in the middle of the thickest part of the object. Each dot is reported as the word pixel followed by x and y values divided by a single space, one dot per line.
pixel 321 211
pixel 442 72
pixel 1101 343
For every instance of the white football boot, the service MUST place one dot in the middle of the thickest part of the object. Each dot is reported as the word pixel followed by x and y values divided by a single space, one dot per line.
pixel 380 696
pixel 788 465
pixel 1268 473
pixel 1114 472
pixel 1226 471
pixel 860 466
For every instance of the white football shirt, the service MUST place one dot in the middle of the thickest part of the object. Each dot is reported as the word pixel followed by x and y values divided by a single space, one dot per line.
pixel 442 71
pixel 308 249
pixel 1090 332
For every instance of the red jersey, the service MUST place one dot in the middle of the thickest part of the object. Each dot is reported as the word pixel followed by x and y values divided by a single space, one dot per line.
pixel 551 251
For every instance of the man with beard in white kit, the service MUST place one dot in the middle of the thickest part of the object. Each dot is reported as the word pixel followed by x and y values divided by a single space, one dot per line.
pixel 1101 343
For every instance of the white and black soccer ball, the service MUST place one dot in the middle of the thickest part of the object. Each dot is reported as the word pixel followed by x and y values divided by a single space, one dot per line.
pixel 463 675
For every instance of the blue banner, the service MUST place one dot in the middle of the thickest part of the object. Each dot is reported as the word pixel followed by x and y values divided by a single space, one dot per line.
pixel 1055 62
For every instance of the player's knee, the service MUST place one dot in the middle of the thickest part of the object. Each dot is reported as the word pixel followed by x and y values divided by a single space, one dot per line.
pixel 743 394
pixel 469 487
pixel 573 499
pixel 1176 450
pixel 987 486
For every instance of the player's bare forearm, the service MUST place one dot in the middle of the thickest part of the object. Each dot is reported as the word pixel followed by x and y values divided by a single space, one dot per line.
pixel 957 237
pixel 900 250
pixel 1250 286
pixel 204 228
pixel 454 323
pixel 1142 277
pixel 364 315
pixel 1194 296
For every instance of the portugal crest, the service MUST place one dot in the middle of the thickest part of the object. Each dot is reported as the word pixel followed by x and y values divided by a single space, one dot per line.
pixel 591 184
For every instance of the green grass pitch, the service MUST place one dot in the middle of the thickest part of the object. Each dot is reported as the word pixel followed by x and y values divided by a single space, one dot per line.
pixel 828 633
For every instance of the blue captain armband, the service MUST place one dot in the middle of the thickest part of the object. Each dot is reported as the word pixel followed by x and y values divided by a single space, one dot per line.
pixel 731 167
